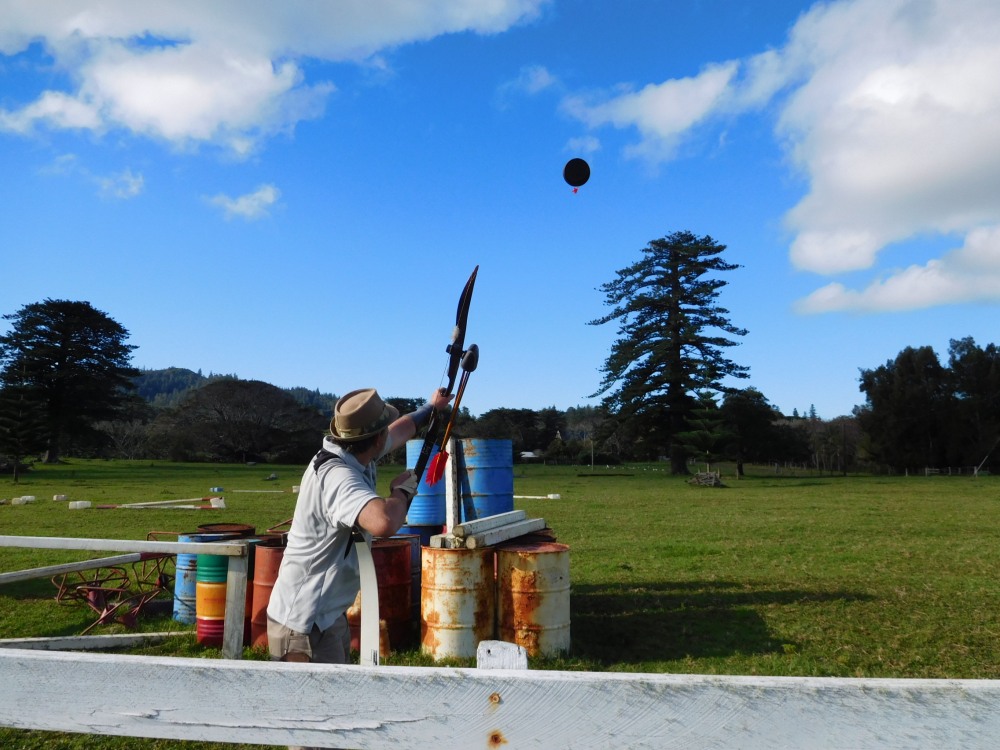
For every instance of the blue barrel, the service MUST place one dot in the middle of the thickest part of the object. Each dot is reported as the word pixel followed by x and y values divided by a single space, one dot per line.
pixel 429 506
pixel 186 579
pixel 487 476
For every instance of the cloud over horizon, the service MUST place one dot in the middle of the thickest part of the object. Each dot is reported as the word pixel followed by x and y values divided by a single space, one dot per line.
pixel 228 73
pixel 889 110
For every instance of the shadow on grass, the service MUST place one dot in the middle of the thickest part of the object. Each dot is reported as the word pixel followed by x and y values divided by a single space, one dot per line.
pixel 615 623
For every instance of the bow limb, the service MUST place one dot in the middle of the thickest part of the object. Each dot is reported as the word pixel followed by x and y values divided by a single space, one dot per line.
pixel 435 470
pixel 455 351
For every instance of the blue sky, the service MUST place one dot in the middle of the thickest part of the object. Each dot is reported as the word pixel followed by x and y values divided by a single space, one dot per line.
pixel 295 192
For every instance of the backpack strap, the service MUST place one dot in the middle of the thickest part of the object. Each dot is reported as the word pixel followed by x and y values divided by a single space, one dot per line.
pixel 321 458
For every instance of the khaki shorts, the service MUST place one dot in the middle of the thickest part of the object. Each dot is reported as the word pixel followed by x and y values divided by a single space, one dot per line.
pixel 330 646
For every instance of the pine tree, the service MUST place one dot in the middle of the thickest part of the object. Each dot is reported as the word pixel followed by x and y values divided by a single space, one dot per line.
pixel 672 338
pixel 73 359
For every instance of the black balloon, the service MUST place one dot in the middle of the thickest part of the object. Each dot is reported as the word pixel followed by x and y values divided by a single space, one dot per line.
pixel 576 172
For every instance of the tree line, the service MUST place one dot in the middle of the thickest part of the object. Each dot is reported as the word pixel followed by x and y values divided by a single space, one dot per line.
pixel 668 392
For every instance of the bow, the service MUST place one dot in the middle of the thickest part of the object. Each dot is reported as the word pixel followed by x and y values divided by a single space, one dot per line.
pixel 470 360
pixel 456 351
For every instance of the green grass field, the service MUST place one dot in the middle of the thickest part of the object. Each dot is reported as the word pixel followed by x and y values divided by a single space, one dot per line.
pixel 771 575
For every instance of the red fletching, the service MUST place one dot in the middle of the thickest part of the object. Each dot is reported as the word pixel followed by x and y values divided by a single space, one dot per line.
pixel 436 468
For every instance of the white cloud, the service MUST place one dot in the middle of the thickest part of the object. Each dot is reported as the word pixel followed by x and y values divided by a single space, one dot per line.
pixel 587 144
pixel 895 127
pixel 968 274
pixel 251 206
pixel 889 109
pixel 54 109
pixel 226 72
pixel 126 184
pixel 661 112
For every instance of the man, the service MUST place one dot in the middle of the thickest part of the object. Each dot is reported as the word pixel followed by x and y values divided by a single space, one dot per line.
pixel 318 578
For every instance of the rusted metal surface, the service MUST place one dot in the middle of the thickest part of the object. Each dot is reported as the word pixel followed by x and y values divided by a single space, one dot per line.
pixel 267 560
pixel 458 601
pixel 533 597
pixel 393 566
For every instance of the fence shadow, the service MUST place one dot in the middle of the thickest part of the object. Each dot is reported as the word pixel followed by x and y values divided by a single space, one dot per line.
pixel 614 623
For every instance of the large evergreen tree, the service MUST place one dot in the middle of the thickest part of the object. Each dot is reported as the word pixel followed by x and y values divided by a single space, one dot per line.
pixel 672 339
pixel 72 359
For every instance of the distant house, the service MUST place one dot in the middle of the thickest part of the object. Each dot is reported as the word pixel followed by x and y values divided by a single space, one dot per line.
pixel 529 456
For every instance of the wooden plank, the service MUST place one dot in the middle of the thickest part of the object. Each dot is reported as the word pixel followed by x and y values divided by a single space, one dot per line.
pixel 87 642
pixel 236 602
pixel 413 708
pixel 501 655
pixel 504 533
pixel 155 503
pixel 125 545
pixel 445 541
pixel 452 487
pixel 368 645
pixel 490 522
pixel 53 570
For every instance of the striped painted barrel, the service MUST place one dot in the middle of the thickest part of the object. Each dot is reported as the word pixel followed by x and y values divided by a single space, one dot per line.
pixel 185 580
pixel 210 598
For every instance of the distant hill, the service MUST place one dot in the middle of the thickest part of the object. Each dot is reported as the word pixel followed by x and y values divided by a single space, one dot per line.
pixel 168 387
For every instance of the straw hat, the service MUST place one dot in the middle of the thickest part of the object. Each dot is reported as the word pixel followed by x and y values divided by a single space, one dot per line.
pixel 361 414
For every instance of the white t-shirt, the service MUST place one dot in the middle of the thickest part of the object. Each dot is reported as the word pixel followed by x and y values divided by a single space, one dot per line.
pixel 316 582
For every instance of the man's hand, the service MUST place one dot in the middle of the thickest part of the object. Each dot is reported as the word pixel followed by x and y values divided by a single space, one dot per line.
pixel 405 483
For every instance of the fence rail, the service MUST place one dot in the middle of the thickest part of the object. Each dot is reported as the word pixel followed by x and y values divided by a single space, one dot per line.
pixel 236 579
pixel 371 708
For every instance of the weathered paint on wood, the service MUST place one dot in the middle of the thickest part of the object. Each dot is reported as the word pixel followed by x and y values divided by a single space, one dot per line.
pixel 53 570
pixel 87 642
pixel 490 522
pixel 501 655
pixel 452 487
pixel 236 582
pixel 504 533
pixel 420 707
pixel 236 604
pixel 125 545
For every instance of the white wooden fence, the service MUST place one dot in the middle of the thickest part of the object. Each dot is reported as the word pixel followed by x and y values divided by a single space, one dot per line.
pixel 236 582
pixel 378 707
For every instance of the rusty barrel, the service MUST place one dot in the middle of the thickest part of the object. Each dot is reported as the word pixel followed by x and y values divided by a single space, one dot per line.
pixel 415 543
pixel 267 559
pixel 457 601
pixel 392 570
pixel 533 597
pixel 487 477
pixel 229 529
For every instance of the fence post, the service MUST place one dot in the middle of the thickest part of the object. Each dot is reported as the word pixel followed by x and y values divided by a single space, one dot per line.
pixel 236 602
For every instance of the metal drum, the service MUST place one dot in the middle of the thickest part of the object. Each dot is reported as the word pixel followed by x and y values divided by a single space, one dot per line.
pixel 392 570
pixel 533 597
pixel 267 559
pixel 428 507
pixel 487 478
pixel 457 601
pixel 185 580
